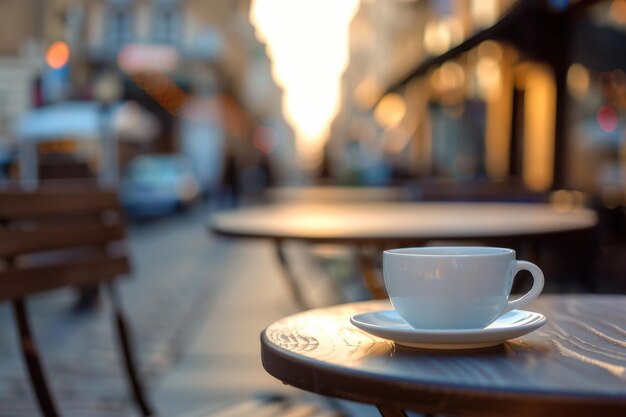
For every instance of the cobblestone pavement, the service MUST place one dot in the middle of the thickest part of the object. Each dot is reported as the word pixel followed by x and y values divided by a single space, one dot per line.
pixel 172 285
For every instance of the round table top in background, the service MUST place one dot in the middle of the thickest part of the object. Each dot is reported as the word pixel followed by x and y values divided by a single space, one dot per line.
pixel 331 194
pixel 575 365
pixel 399 221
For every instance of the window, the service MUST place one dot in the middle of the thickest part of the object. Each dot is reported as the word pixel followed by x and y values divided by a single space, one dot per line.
pixel 119 24
pixel 166 21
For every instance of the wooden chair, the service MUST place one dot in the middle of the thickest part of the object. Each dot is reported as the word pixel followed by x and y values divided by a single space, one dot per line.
pixel 52 239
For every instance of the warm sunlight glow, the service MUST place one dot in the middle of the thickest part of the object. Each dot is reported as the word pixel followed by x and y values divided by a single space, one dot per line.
pixel 307 42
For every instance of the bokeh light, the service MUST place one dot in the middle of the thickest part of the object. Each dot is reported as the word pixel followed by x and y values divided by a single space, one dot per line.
pixel 57 55
pixel 607 119
pixel 578 81
pixel 440 35
pixel 618 11
pixel 484 12
pixel 450 76
pixel 390 110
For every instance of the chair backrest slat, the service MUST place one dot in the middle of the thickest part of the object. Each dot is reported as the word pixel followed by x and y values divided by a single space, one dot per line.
pixel 20 242
pixel 16 283
pixel 24 205
pixel 51 239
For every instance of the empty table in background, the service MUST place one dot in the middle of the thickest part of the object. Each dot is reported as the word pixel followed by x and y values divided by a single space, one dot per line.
pixel 380 225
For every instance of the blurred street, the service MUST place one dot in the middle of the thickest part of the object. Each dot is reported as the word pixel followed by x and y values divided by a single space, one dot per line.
pixel 183 277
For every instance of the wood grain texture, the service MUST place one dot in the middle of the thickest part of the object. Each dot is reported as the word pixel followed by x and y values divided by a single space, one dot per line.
pixel 575 365
pixel 399 221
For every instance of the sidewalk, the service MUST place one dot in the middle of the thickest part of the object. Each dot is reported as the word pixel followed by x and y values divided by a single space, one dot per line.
pixel 222 365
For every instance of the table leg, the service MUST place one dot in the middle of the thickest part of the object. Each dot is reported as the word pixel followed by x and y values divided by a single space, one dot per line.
pixel 294 287
pixel 371 276
pixel 123 336
pixel 369 260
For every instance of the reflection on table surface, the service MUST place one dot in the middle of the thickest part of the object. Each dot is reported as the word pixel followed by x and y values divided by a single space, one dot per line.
pixel 336 194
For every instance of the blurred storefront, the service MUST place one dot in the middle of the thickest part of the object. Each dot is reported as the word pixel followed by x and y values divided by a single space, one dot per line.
pixel 196 67
pixel 525 93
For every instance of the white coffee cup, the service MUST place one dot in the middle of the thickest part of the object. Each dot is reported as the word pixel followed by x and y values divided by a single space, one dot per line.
pixel 455 287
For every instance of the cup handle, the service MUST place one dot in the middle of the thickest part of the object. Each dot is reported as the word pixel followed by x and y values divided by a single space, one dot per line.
pixel 534 291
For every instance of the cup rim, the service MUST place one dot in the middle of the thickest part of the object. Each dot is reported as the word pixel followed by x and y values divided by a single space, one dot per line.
pixel 438 251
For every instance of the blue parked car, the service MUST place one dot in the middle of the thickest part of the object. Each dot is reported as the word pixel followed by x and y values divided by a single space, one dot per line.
pixel 156 185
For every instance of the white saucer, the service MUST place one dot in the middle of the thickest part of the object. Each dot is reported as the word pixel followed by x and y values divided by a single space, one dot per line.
pixel 389 325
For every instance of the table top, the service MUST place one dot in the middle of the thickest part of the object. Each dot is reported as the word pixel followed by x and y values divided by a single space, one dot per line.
pixel 336 194
pixel 396 221
pixel 575 364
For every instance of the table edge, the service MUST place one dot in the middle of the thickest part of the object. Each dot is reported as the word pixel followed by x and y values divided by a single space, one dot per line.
pixel 505 236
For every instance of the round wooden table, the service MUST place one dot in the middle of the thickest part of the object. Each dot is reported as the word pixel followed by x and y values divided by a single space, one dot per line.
pixel 400 222
pixel 373 227
pixel 575 365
